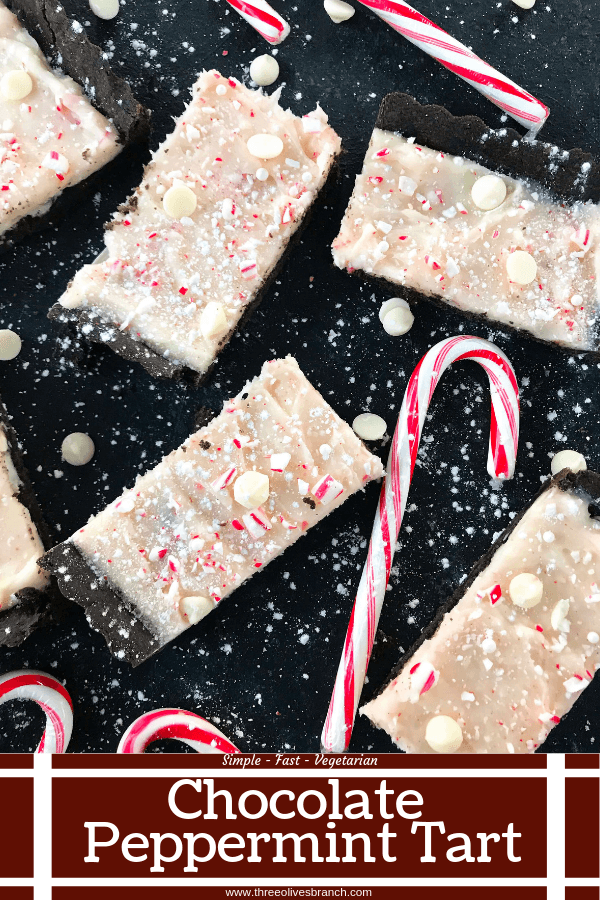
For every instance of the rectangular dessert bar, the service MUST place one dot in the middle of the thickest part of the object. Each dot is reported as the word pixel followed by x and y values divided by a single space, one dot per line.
pixel 508 673
pixel 413 222
pixel 51 136
pixel 214 512
pixel 24 602
pixel 190 254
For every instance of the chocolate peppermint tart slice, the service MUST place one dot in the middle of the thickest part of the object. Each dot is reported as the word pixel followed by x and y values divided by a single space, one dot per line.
pixel 484 221
pixel 214 512
pixel 198 243
pixel 509 654
pixel 24 600
pixel 52 136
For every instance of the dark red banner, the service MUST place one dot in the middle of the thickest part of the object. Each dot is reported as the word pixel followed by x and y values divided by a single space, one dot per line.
pixel 16 828
pixel 299 827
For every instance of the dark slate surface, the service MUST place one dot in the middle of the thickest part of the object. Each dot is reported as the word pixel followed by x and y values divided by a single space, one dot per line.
pixel 262 666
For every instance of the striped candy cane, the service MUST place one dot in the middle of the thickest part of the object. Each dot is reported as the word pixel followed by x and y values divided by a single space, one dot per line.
pixel 53 699
pixel 519 104
pixel 263 18
pixel 175 723
pixel 504 437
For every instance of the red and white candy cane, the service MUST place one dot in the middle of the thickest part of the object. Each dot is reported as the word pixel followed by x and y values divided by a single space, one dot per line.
pixel 263 18
pixel 53 698
pixel 504 438
pixel 175 723
pixel 518 103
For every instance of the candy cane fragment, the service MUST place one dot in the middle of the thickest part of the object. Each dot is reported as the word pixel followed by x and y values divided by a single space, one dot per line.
pixel 504 438
pixel 263 19
pixel 178 724
pixel 51 696
pixel 429 37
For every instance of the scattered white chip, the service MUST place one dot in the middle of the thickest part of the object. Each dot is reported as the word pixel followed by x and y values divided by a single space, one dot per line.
pixel 264 70
pixel 105 9
pixel 77 448
pixel 567 459
pixel 524 4
pixel 488 192
pixel 443 734
pixel 194 608
pixel 213 320
pixel 10 344
pixel 338 11
pixel 16 85
pixel 521 267
pixel 526 590
pixel 179 201
pixel 399 319
pixel 265 146
pixel 251 489
pixel 559 615
pixel 369 427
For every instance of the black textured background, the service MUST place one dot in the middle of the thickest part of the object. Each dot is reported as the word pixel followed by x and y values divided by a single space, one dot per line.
pixel 262 665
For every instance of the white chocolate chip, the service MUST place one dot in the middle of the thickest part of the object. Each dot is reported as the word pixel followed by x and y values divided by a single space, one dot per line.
pixel 10 344
pixel 488 192
pixel 488 645
pixel 521 267
pixel 125 504
pixel 262 174
pixel 593 637
pixel 338 11
pixel 524 4
pixel 398 321
pixel 105 9
pixel 443 734
pixel 559 615
pixel 179 201
pixel 388 305
pixel 251 489
pixel 77 448
pixel 369 427
pixel 213 320
pixel 264 70
pixel 194 608
pixel 567 459
pixel 526 590
pixel 265 146
pixel 16 85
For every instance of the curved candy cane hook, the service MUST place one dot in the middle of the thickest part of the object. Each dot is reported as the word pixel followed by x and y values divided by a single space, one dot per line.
pixel 193 730
pixel 51 696
pixel 504 439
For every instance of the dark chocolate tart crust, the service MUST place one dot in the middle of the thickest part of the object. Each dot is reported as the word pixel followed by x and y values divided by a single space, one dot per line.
pixel 105 607
pixel 35 607
pixel 572 175
pixel 73 52
pixel 586 484
pixel 100 331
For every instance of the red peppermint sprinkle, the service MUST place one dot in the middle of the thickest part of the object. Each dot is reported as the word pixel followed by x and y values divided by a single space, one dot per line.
pixel 495 593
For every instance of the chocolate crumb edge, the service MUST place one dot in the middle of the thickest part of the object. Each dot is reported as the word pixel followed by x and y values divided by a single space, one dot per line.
pixel 48 22
pixel 505 150
pixel 573 174
pixel 35 608
pixel 586 484
pixel 106 609
pixel 158 366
